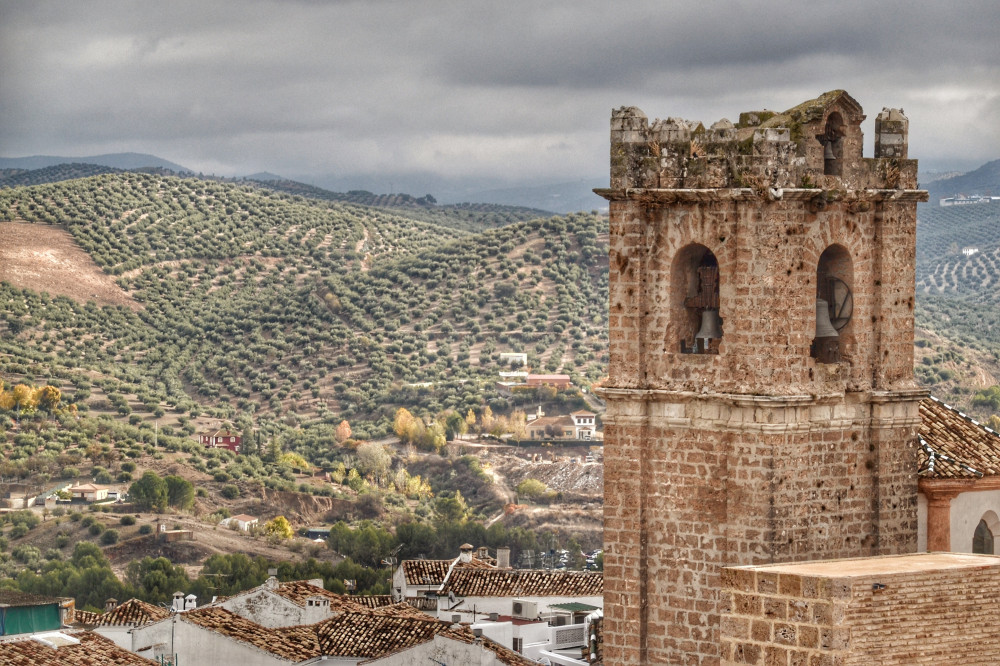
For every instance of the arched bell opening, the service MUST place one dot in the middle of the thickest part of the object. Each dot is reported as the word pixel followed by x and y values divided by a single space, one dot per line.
pixel 696 324
pixel 832 139
pixel 834 304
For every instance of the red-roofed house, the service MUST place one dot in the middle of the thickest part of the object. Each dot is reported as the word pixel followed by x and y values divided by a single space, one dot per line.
pixel 118 620
pixel 242 522
pixel 67 648
pixel 222 439
pixel 531 611
pixel 89 492
pixel 958 506
pixel 217 636
pixel 556 381
pixel 578 425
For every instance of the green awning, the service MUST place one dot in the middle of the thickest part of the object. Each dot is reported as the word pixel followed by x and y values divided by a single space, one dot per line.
pixel 575 607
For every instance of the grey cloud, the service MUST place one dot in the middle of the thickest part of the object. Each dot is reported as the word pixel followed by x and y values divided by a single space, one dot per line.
pixel 509 90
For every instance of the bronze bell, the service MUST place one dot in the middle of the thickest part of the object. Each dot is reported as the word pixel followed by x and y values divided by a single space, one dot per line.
pixel 711 325
pixel 824 327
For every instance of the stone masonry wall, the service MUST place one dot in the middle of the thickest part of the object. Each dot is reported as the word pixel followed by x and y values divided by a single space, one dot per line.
pixel 914 610
pixel 756 452
pixel 703 484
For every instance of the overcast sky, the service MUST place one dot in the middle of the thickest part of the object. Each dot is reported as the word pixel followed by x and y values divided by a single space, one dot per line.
pixel 508 91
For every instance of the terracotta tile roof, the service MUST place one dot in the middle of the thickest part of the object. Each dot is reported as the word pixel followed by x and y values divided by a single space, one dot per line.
pixel 297 591
pixel 402 609
pixel 373 600
pixel 432 572
pixel 503 655
pixel 955 446
pixel 131 613
pixel 86 618
pixel 553 421
pixel 523 583
pixel 371 635
pixel 87 487
pixel 425 572
pixel 93 650
pixel 227 623
pixel 423 603
pixel 365 634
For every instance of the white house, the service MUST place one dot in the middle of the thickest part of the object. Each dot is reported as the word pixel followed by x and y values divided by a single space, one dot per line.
pixel 291 603
pixel 61 648
pixel 414 580
pixel 89 492
pixel 454 648
pixel 118 620
pixel 242 522
pixel 529 611
pixel 216 636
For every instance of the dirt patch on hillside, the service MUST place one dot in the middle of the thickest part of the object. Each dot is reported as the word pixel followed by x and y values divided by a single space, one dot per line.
pixel 564 472
pixel 44 257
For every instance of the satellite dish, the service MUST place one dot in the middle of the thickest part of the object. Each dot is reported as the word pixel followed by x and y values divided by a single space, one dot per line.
pixel 841 303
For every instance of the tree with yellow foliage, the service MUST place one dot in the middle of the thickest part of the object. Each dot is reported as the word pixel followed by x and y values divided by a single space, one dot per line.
pixel 48 398
pixel 343 432
pixel 278 528
pixel 403 424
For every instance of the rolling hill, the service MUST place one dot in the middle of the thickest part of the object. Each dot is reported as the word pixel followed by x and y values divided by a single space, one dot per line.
pixel 268 305
pixel 282 302
pixel 123 161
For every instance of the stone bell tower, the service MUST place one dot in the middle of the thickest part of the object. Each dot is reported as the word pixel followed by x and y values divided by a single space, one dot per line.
pixel 761 402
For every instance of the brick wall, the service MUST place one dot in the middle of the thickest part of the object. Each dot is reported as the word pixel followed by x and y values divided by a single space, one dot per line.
pixel 914 609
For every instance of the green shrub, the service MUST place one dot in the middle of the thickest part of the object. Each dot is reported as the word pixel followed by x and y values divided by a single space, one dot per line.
pixel 146 529
pixel 230 491
pixel 109 537
pixel 127 520
pixel 95 529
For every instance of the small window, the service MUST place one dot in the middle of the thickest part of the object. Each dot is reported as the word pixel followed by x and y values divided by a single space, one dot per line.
pixel 982 540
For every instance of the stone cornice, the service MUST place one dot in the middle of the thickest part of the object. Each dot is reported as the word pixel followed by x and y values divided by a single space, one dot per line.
pixel 934 488
pixel 712 195
pixel 750 400
pixel 899 395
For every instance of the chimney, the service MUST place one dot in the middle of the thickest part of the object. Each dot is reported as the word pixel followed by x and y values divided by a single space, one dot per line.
pixel 178 603
pixel 482 552
pixel 503 557
pixel 272 579
pixel 190 602
pixel 466 552
pixel 110 604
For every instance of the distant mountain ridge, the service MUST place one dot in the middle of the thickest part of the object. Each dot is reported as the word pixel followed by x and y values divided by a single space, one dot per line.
pixel 984 181
pixel 124 161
